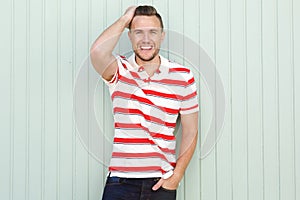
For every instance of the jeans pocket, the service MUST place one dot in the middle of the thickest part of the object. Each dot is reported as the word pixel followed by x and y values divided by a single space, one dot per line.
pixel 167 190
pixel 113 181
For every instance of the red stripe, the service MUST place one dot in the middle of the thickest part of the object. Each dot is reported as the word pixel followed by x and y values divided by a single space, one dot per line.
pixel 164 95
pixel 190 96
pixel 159 135
pixel 162 136
pixel 133 140
pixel 120 94
pixel 170 82
pixel 115 76
pixel 147 117
pixel 124 66
pixel 135 75
pixel 143 100
pixel 179 69
pixel 142 141
pixel 190 108
pixel 128 81
pixel 125 125
pixel 136 169
pixel 123 57
pixel 166 150
pixel 139 155
pixel 139 126
pixel 192 80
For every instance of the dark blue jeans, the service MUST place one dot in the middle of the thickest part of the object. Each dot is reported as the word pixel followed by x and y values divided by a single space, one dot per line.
pixel 135 189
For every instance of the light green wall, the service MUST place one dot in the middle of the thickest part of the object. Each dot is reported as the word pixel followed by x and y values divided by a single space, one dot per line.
pixel 255 45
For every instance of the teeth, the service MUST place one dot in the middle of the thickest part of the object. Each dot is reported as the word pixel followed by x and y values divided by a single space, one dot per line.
pixel 146 48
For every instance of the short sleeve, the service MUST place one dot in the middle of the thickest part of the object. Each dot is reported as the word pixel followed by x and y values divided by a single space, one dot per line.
pixel 122 68
pixel 189 102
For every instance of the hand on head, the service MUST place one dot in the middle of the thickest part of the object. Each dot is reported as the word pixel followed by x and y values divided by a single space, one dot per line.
pixel 129 13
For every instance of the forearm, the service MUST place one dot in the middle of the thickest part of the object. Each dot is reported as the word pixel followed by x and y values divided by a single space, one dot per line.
pixel 187 149
pixel 188 146
pixel 109 38
pixel 101 50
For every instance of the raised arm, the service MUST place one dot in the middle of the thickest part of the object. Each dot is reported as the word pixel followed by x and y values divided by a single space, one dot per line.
pixel 101 51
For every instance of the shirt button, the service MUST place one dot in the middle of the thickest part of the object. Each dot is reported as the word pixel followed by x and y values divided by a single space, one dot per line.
pixel 141 69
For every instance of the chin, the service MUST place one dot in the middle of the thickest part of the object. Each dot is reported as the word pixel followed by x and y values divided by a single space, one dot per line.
pixel 148 57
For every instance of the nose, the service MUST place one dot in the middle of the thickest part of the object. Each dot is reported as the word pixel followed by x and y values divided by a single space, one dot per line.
pixel 146 37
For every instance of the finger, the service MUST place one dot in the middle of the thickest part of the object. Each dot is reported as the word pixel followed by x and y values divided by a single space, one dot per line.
pixel 130 10
pixel 158 184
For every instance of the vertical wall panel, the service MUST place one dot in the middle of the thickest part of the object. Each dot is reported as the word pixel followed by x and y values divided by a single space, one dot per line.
pixel 144 2
pixel 81 52
pixel 35 101
pixel 254 99
pixel 223 64
pixel 270 100
pixel 66 178
pixel 6 100
pixel 207 42
pixel 175 29
pixel 96 175
pixel 191 31
pixel 296 63
pixel 20 101
pixel 51 41
pixel 285 100
pixel 239 100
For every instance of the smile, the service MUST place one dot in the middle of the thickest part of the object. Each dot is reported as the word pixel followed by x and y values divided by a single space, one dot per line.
pixel 146 47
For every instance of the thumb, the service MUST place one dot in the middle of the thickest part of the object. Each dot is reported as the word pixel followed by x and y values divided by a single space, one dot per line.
pixel 158 184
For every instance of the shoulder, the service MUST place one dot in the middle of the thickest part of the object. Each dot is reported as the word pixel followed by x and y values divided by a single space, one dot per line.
pixel 175 67
pixel 179 71
pixel 124 62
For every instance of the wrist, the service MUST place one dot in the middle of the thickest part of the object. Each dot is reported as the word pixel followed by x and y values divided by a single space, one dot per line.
pixel 125 20
pixel 177 174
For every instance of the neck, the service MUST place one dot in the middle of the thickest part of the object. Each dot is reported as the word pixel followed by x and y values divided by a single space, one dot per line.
pixel 150 66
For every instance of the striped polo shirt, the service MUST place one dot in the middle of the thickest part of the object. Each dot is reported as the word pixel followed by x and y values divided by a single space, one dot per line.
pixel 145 111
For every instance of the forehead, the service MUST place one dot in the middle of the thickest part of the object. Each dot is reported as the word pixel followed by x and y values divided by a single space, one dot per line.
pixel 145 22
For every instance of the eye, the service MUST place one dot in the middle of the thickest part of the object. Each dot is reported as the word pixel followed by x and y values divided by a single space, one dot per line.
pixel 154 32
pixel 137 32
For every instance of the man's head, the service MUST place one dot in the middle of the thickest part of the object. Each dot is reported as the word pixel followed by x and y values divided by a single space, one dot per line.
pixel 147 11
pixel 146 33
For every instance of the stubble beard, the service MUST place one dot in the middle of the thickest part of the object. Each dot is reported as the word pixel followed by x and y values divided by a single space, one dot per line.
pixel 147 59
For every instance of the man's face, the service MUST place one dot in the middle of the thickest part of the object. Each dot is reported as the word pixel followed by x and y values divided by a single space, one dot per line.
pixel 146 35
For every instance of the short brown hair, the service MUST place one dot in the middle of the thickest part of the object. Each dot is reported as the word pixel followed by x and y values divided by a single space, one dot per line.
pixel 147 11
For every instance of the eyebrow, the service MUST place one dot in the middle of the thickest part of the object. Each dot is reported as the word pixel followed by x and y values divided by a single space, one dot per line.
pixel 143 29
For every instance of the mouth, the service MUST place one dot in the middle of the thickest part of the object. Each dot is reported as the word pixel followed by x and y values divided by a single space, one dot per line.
pixel 146 48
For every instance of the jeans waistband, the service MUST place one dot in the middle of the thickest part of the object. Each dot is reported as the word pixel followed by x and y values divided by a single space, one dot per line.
pixel 115 179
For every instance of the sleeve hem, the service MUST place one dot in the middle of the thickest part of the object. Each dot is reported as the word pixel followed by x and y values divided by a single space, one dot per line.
pixel 185 112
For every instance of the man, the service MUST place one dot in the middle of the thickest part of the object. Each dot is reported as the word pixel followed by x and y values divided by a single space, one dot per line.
pixel 148 93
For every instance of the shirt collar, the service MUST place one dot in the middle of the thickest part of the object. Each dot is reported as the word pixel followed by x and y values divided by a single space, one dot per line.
pixel 163 64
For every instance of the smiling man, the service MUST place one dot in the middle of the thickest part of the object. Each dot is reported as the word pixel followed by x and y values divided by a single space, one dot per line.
pixel 148 94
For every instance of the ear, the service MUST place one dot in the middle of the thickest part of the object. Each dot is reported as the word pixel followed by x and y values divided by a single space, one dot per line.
pixel 163 34
pixel 129 35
